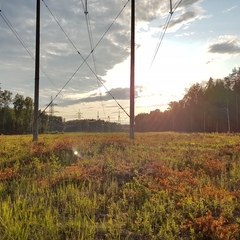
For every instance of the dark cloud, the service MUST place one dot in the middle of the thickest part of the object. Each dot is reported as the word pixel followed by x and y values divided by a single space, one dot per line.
pixel 226 47
pixel 117 93
pixel 58 55
pixel 61 60
pixel 185 17
pixel 185 12
pixel 186 3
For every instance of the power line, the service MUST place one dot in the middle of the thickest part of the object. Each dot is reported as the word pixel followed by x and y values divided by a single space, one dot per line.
pixel 71 79
pixel 177 5
pixel 88 24
pixel 11 27
pixel 5 19
pixel 160 39
pixel 165 26
pixel 14 31
pixel 93 49
pixel 85 59
pixel 61 28
pixel 79 114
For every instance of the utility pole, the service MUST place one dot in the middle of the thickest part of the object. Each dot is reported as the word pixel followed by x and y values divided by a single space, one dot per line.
pixel 85 8
pixel 171 8
pixel 132 73
pixel 79 114
pixel 119 118
pixel 52 111
pixel 37 65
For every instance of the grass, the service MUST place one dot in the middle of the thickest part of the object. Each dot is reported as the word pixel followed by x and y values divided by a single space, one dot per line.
pixel 159 186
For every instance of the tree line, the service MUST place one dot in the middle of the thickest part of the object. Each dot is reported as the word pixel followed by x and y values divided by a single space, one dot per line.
pixel 16 117
pixel 210 107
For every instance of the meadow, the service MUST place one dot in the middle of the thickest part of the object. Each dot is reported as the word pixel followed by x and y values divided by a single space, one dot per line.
pixel 106 186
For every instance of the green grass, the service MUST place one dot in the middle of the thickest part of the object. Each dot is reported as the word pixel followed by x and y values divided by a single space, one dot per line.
pixel 159 186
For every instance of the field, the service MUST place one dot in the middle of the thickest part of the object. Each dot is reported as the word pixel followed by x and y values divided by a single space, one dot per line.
pixel 106 186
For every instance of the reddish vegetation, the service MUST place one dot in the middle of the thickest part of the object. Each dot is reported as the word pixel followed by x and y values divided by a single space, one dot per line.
pixel 159 184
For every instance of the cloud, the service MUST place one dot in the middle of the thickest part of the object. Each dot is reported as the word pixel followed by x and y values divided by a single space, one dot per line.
pixel 225 45
pixel 54 43
pixel 117 93
pixel 187 12
pixel 229 9
pixel 62 60
pixel 187 3
pixel 183 18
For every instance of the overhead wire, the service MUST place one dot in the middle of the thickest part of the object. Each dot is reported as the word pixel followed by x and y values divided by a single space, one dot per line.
pixel 110 26
pixel 5 19
pixel 160 39
pixel 85 59
pixel 165 27
pixel 14 31
pixel 90 36
pixel 177 5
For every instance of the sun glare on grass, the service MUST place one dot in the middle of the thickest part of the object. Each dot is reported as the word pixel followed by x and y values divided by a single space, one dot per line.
pixel 75 153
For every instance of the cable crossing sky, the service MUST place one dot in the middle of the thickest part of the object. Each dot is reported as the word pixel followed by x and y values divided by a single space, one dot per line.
pixel 88 24
pixel 165 27
pixel 92 46
pixel 85 59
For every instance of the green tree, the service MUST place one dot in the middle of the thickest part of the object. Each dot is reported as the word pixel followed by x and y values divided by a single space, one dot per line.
pixel 194 104
pixel 43 122
pixel 219 97
pixel 18 103
pixel 28 114
pixel 5 101
pixel 235 80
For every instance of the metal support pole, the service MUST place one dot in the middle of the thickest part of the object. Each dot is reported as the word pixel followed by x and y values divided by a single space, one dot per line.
pixel 132 73
pixel 171 9
pixel 85 7
pixel 37 65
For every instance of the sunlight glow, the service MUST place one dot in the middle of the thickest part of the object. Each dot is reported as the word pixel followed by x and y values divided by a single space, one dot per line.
pixel 76 153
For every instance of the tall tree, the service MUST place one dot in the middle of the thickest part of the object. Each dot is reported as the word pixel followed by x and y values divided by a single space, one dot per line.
pixel 194 103
pixel 28 114
pixel 235 80
pixel 5 101
pixel 18 103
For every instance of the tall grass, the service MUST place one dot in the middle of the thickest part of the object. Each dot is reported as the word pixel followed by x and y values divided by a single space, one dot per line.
pixel 159 186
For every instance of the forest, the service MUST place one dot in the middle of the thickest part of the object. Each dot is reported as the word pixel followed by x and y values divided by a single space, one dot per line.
pixel 16 117
pixel 209 107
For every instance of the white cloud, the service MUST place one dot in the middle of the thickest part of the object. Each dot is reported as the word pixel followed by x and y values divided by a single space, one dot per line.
pixel 60 59
pixel 229 9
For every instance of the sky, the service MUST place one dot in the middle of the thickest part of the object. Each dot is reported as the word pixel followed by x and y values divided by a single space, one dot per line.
pixel 202 41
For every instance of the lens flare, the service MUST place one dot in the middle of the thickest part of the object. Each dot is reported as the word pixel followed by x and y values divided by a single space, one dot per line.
pixel 75 152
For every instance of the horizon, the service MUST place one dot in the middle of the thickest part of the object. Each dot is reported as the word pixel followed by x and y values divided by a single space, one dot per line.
pixel 202 41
